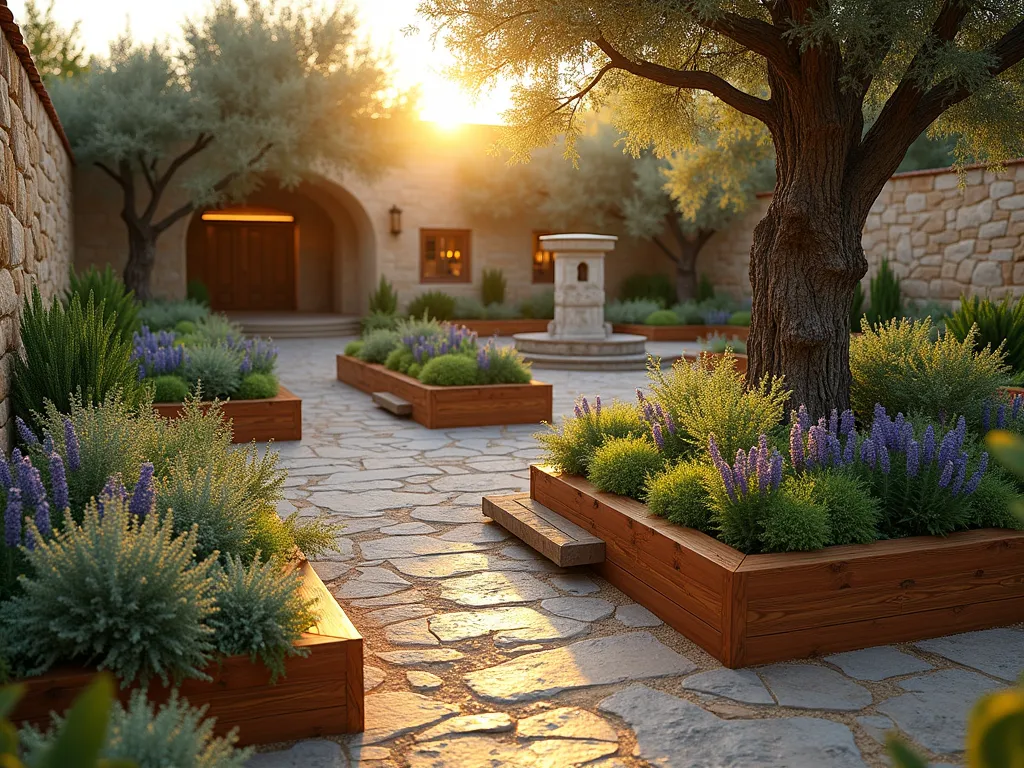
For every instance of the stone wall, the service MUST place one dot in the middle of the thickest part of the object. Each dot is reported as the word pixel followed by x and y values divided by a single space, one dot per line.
pixel 35 197
pixel 942 239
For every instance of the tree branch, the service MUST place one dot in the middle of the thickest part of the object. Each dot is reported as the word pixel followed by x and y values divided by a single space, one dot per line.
pixel 664 249
pixel 757 36
pixel 107 170
pixel 157 190
pixel 743 102
pixel 150 182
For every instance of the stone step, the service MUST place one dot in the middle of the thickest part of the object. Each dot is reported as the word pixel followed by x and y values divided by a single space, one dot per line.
pixel 392 403
pixel 562 542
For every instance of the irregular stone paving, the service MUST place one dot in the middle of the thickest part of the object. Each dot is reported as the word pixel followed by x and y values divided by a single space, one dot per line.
pixel 480 653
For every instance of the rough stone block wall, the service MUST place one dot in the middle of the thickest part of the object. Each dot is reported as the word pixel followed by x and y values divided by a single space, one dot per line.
pixel 944 240
pixel 35 200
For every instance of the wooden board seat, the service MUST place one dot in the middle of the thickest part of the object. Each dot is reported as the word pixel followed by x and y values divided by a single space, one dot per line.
pixel 561 541
pixel 392 403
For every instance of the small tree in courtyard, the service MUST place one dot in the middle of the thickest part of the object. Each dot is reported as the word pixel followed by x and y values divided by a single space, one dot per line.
pixel 56 51
pixel 815 73
pixel 677 202
pixel 271 91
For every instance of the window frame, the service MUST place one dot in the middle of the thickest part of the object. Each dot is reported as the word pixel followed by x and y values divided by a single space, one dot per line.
pixel 537 235
pixel 467 254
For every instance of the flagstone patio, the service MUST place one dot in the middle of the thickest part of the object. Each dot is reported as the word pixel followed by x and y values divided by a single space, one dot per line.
pixel 481 654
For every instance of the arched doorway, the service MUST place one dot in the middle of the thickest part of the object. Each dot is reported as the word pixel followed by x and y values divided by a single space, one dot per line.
pixel 247 258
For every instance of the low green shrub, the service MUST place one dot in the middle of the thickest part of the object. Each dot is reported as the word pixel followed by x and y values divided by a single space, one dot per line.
pixel 197 291
pixel 898 365
pixel 215 328
pixel 257 386
pixel 215 510
pixel 658 288
pixel 110 292
pixel 623 465
pixel 378 320
pixel 384 300
pixel 214 370
pixel 260 612
pixel 492 287
pixel 791 521
pixel 414 327
pixel 994 502
pixel 688 313
pixel 886 296
pixel 740 318
pixel 69 351
pixel 501 365
pixel 853 512
pixel 716 343
pixel 122 593
pixel 164 315
pixel 436 305
pixel 539 306
pixel 185 328
pixel 468 308
pixel 169 389
pixel 399 360
pixel 998 325
pixel 569 448
pixel 377 345
pixel 353 348
pixel 680 495
pixel 501 312
pixel 449 371
pixel 631 311
pixel 414 370
pixel 662 317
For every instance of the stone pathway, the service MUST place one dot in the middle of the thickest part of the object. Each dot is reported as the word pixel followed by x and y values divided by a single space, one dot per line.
pixel 481 654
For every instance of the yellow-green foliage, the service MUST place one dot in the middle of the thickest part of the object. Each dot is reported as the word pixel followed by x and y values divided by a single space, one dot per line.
pixel 169 389
pixel 680 494
pixel 257 386
pixel 570 447
pixel 353 348
pixel 623 465
pixel 898 365
pixel 711 397
pixel 853 512
pixel 449 371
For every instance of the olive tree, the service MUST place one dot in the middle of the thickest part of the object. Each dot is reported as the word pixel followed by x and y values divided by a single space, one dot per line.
pixel 842 86
pixel 266 92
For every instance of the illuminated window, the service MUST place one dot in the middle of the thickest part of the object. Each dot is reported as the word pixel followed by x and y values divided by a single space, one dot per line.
pixel 543 261
pixel 444 256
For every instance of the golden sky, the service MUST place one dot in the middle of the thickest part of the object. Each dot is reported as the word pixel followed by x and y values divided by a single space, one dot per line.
pixel 416 60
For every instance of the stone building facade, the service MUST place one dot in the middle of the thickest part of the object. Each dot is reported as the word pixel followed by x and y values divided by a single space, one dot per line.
pixel 36 237
pixel 943 239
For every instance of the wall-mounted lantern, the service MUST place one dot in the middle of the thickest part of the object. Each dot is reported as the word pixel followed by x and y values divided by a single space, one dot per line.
pixel 396 220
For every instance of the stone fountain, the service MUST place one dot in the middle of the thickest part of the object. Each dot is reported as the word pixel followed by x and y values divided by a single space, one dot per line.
pixel 579 338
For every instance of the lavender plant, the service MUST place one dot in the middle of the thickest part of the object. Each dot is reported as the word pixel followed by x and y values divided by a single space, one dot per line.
pixel 258 356
pixel 157 354
pixel 501 365
pixel 569 448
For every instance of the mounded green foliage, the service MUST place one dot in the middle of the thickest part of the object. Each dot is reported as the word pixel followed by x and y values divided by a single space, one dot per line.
pixel 449 371
pixel 469 308
pixel 853 512
pixel 680 494
pixel 215 328
pixel 121 593
pixel 257 386
pixel 995 501
pixel 623 465
pixel 185 328
pixel 492 287
pixel 436 305
pixel 503 365
pixel 792 521
pixel 169 389
pixel 998 325
pixel 415 370
pixel 165 315
pixel 899 366
pixel 353 348
pixel 384 300
pixel 377 345
pixel 630 311
pixel 214 509
pixel 740 318
pixel 67 351
pixel 662 317
pixel 501 312
pixel 109 291
pixel 400 359
pixel 213 369
pixel 260 612
pixel 651 287
pixel 569 448
pixel 539 306
pixel 377 320
pixel 147 736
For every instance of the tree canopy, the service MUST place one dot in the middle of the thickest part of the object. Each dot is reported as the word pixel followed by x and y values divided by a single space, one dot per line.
pixel 268 92
pixel 56 51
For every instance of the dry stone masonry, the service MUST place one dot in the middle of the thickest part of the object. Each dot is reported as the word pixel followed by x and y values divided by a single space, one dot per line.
pixel 35 197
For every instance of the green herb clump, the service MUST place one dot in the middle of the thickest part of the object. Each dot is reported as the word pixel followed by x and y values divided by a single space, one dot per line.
pixel 384 300
pixel 214 370
pixel 452 370
pixel 165 315
pixel 681 496
pixel 257 386
pixel 998 326
pixel 436 305
pixel 353 348
pixel 662 317
pixel 623 465
pixel 169 389
pixel 570 447
pixel 109 292
pixel 377 345
pixel 492 287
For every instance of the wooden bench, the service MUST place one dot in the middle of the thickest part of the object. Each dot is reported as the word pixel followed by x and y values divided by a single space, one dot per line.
pixel 392 403
pixel 562 542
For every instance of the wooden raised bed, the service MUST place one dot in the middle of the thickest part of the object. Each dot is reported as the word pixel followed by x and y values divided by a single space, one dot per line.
pixel 444 407
pixel 682 332
pixel 755 609
pixel 320 695
pixel 505 327
pixel 275 418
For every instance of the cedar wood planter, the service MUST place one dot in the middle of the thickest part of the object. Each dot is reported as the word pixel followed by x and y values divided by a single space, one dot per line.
pixel 274 418
pixel 755 609
pixel 443 407
pixel 505 327
pixel 320 695
pixel 682 332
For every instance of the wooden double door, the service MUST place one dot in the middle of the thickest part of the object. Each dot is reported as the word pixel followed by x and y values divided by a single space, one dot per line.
pixel 246 265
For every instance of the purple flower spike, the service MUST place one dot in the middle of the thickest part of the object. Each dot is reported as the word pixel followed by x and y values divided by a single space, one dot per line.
pixel 5 475
pixel 48 446
pixel 12 518
pixel 986 416
pixel 850 448
pixel 586 406
pixel 803 418
pixel 659 439
pixel 114 489
pixel 811 457
pixel 597 406
pixel 796 446
pixel 1001 416
pixel 883 459
pixel 1018 401
pixel 27 436
pixel 58 482
pixel 867 453
pixel 972 484
pixel 846 422
pixel 833 422
pixel 913 458
pixel 71 446
pixel 144 496
pixel 947 474
pixel 670 424
pixel 578 411
pixel 722 467
pixel 928 445
pixel 639 395
pixel 775 473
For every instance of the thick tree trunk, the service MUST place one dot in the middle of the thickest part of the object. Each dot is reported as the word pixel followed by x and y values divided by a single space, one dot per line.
pixel 804 263
pixel 686 271
pixel 141 258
